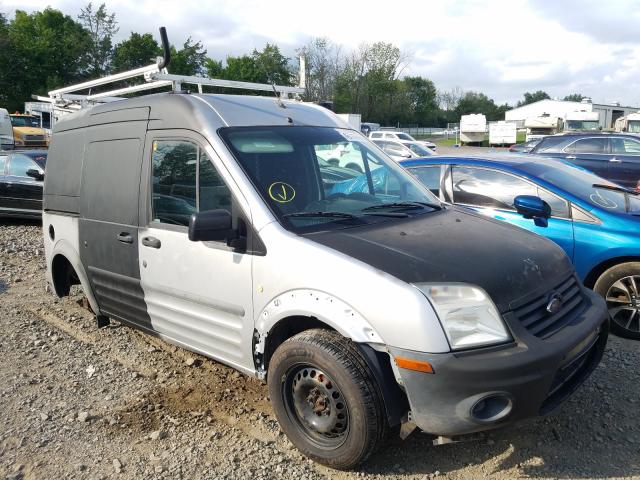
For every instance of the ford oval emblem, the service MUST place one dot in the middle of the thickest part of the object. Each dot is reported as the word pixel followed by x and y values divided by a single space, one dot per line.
pixel 555 304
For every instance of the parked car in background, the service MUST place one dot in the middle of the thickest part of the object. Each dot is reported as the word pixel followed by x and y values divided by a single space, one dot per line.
pixel 525 147
pixel 6 131
pixel 21 182
pixel 596 222
pixel 402 150
pixel 615 157
pixel 399 137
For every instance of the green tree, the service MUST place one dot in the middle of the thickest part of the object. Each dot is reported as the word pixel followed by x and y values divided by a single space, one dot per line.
pixel 136 51
pixel 533 97
pixel 102 26
pixel 4 58
pixel 422 97
pixel 574 97
pixel 190 60
pixel 475 102
pixel 44 50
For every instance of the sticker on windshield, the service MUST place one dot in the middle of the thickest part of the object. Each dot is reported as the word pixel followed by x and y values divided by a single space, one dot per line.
pixel 281 192
pixel 604 202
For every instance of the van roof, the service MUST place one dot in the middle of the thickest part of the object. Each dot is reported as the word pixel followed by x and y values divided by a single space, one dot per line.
pixel 191 111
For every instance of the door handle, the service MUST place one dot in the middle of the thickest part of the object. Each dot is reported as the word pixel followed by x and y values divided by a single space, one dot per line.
pixel 152 242
pixel 125 237
pixel 570 157
pixel 615 160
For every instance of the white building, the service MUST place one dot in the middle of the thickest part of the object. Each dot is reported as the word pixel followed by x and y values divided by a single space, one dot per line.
pixel 559 108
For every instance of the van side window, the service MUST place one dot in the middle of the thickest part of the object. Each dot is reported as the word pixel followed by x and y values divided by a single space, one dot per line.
pixel 213 192
pixel 185 181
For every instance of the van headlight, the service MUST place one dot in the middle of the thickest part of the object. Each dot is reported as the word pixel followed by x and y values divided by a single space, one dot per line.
pixel 468 316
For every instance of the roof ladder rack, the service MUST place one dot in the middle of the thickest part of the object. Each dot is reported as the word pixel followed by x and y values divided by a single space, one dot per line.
pixel 157 76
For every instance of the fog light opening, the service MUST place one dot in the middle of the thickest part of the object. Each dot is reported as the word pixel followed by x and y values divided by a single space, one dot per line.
pixel 492 408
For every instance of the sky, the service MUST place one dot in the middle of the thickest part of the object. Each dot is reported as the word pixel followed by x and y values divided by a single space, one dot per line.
pixel 501 48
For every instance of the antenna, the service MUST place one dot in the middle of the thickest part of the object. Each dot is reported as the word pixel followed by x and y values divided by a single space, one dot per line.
pixel 166 48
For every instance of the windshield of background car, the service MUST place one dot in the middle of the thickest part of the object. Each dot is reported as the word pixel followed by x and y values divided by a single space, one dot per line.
pixel 633 126
pixel 39 157
pixel 404 136
pixel 419 149
pixel 19 121
pixel 583 184
pixel 312 176
pixel 552 143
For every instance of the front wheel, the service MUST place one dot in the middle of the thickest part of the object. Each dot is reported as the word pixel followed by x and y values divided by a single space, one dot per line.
pixel 620 287
pixel 325 398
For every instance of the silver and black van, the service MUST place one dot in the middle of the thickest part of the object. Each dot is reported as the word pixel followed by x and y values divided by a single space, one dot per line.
pixel 216 223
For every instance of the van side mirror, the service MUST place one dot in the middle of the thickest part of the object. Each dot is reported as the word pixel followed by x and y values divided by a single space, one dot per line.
pixel 210 225
pixel 35 173
pixel 532 207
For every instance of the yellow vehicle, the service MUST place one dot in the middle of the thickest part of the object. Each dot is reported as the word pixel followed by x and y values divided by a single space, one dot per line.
pixel 27 131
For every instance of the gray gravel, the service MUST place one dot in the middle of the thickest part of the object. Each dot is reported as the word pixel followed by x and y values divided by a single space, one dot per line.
pixel 78 402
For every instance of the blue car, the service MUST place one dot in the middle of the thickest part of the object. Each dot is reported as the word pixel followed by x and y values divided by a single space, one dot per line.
pixel 596 222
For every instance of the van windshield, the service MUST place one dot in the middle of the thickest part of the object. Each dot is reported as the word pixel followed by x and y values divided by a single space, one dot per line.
pixel 316 176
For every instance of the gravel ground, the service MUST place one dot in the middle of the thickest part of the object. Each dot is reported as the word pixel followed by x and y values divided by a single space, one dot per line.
pixel 78 402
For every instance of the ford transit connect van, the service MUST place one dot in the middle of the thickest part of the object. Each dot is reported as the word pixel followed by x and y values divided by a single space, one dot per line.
pixel 365 302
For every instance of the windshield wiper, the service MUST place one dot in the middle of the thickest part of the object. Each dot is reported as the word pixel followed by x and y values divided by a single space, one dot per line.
pixel 404 206
pixel 321 214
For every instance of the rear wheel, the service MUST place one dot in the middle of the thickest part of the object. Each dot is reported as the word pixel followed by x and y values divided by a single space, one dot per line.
pixel 325 398
pixel 620 287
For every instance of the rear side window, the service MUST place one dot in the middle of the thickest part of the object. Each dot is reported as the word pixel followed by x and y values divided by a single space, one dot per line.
pixel 627 146
pixel 19 165
pixel 588 145
pixel 429 177
pixel 184 182
pixel 376 135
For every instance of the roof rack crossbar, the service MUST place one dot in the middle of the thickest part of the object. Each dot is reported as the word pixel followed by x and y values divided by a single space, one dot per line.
pixel 216 82
pixel 116 77
pixel 132 89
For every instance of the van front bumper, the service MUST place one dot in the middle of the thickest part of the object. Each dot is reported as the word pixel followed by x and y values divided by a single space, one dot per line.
pixel 491 387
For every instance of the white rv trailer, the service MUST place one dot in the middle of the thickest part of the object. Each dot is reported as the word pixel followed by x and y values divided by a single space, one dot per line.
pixel 581 121
pixel 503 133
pixel 541 126
pixel 473 128
pixel 629 123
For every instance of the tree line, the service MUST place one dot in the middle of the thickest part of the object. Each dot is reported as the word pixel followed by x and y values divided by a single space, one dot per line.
pixel 48 49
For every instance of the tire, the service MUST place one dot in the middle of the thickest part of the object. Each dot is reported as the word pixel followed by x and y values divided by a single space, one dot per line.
pixel 319 376
pixel 334 161
pixel 620 287
pixel 354 166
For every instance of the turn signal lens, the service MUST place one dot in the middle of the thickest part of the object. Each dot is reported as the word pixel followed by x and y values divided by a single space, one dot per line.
pixel 415 365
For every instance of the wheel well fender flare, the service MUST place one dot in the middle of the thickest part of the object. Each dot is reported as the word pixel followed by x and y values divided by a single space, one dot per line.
pixel 320 305
pixel 66 250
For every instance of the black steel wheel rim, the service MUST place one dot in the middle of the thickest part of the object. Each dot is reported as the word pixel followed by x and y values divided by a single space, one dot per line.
pixel 315 403
pixel 623 302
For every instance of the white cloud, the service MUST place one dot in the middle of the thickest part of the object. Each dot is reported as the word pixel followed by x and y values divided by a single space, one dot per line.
pixel 503 48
